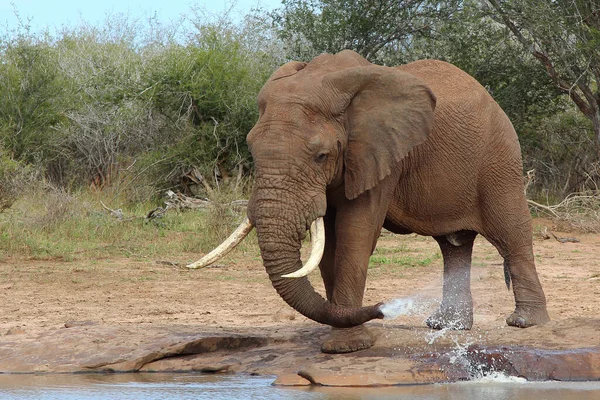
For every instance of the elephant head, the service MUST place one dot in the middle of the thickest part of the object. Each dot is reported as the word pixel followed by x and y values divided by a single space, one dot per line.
pixel 336 123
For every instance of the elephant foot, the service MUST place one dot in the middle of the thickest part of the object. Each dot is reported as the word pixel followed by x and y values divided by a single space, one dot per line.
pixel 451 317
pixel 347 340
pixel 524 317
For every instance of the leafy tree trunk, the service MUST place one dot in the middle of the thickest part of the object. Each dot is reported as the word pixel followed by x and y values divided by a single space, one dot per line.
pixel 596 124
pixel 564 36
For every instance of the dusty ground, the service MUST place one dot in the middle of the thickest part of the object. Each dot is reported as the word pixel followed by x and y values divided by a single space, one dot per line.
pixel 141 295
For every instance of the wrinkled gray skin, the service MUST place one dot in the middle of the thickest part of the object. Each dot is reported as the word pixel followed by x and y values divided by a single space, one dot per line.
pixel 418 148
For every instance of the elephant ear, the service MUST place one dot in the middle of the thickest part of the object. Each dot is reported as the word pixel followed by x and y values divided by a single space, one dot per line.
pixel 388 113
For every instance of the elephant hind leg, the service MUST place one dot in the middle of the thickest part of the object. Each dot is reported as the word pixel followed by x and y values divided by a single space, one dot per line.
pixel 456 310
pixel 510 232
pixel 530 302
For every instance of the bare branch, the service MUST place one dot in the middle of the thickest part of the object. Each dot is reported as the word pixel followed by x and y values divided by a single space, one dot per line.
pixel 118 213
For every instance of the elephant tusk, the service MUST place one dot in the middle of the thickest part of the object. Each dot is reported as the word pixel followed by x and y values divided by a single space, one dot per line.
pixel 317 240
pixel 233 240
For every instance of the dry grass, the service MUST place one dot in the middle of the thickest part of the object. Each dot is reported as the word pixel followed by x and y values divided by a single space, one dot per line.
pixel 50 223
pixel 578 211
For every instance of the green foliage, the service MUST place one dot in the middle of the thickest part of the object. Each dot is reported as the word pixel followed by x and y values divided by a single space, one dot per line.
pixel 14 177
pixel 381 31
pixel 139 108
pixel 563 36
pixel 127 102
pixel 211 83
pixel 52 223
pixel 475 43
pixel 561 149
pixel 31 101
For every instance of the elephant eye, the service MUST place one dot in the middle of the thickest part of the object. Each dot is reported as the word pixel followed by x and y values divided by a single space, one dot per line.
pixel 321 157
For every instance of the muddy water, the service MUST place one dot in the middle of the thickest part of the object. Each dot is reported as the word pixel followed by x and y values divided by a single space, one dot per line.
pixel 188 386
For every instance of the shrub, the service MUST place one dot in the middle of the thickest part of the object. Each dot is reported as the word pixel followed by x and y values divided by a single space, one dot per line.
pixel 207 88
pixel 81 104
pixel 562 152
pixel 14 178
pixel 31 99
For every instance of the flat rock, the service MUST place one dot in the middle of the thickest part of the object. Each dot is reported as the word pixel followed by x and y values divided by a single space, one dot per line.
pixel 402 355
pixel 322 377
pixel 291 380
pixel 537 364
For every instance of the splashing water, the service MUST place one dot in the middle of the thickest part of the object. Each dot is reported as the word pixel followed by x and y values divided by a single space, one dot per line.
pixel 459 354
pixel 397 307
pixel 497 377
pixel 415 305
pixel 478 371
pixel 433 335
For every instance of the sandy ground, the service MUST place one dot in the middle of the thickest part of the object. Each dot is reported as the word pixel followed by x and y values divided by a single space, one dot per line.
pixel 42 295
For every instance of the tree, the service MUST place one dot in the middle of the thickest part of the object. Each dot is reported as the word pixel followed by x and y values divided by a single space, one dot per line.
pixel 14 177
pixel 472 41
pixel 30 104
pixel 564 36
pixel 379 30
pixel 392 32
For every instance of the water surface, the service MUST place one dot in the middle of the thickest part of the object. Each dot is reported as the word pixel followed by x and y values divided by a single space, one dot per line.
pixel 201 386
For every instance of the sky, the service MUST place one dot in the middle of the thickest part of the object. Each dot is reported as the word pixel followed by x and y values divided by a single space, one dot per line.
pixel 41 14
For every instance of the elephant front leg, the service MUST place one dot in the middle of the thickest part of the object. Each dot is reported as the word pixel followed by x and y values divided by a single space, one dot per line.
pixel 456 310
pixel 344 271
pixel 347 289
pixel 348 340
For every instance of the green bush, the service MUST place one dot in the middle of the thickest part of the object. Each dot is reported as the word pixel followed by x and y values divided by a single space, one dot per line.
pixel 87 102
pixel 561 149
pixel 208 87
pixel 32 100
pixel 14 179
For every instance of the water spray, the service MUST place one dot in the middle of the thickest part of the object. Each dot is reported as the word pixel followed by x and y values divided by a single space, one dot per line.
pixel 397 307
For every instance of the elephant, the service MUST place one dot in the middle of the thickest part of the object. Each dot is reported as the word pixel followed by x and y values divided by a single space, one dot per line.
pixel 346 147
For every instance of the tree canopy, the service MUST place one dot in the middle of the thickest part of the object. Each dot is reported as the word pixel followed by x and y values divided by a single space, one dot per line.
pixel 564 36
pixel 381 31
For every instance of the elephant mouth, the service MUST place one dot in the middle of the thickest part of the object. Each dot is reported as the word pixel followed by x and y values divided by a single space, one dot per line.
pixel 317 239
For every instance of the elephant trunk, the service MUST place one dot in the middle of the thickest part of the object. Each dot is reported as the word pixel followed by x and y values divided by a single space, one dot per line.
pixel 280 250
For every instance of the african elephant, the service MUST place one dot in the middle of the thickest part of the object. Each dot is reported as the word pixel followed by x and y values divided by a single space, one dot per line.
pixel 417 148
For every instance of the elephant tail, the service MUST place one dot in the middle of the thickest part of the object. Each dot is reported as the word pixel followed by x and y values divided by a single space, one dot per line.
pixel 506 275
